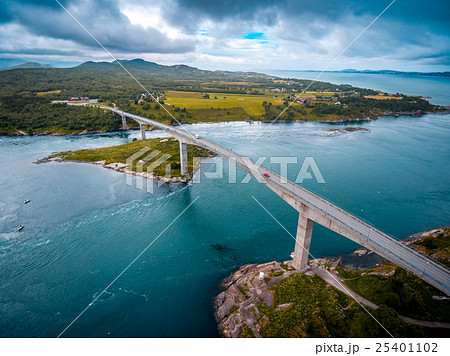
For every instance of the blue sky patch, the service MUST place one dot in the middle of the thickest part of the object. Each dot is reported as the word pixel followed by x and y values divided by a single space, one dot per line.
pixel 255 36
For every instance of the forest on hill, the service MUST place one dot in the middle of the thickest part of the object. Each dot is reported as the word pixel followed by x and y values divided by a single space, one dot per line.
pixel 26 96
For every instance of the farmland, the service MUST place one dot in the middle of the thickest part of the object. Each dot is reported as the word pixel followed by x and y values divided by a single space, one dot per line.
pixel 191 107
pixel 267 105
pixel 185 95
pixel 252 104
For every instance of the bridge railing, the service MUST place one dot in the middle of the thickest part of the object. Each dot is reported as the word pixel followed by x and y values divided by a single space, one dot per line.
pixel 291 188
pixel 372 232
pixel 369 225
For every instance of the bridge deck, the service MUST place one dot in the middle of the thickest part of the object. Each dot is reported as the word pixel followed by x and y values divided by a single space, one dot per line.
pixel 362 233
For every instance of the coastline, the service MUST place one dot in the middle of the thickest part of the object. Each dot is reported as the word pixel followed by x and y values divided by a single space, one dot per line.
pixel 241 308
pixel 121 167
pixel 45 133
pixel 343 120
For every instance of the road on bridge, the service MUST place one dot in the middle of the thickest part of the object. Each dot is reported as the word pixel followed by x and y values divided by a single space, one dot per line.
pixel 369 236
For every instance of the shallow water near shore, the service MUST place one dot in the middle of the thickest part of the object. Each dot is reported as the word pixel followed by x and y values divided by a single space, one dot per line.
pixel 84 224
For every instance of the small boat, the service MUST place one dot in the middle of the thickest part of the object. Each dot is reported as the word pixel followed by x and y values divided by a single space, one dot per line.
pixel 292 255
pixel 20 228
pixel 26 201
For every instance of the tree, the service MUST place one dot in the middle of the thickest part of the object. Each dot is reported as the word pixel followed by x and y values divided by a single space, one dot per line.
pixel 290 116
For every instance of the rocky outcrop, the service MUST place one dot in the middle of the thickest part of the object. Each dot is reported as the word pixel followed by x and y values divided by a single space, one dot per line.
pixel 236 308
pixel 441 254
pixel 420 236
pixel 362 252
pixel 119 167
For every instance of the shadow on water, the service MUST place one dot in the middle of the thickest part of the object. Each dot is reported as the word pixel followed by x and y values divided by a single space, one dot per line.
pixel 222 248
pixel 95 136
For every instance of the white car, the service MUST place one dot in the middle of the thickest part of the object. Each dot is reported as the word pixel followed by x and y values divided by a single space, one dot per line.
pixel 197 136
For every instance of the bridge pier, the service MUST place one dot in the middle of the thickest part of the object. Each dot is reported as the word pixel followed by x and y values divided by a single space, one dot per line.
pixel 142 127
pixel 124 123
pixel 314 209
pixel 184 158
pixel 302 242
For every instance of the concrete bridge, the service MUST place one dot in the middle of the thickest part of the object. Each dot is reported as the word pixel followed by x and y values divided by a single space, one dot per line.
pixel 312 209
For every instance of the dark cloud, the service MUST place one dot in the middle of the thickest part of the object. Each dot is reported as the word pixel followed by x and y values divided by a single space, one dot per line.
pixel 102 18
pixel 43 52
pixel 417 25
pixel 435 12
pixel 410 29
pixel 7 5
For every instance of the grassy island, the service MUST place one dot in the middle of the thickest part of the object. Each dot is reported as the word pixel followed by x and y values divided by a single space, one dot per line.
pixel 113 155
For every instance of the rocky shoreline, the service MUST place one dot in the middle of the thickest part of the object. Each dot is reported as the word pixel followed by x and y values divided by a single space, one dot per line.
pixel 415 238
pixel 343 120
pixel 119 167
pixel 46 133
pixel 235 308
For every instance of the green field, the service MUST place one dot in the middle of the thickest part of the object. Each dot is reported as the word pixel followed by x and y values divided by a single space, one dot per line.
pixel 252 104
pixel 319 310
pixel 403 291
pixel 191 95
pixel 120 154
pixel 189 116
pixel 191 107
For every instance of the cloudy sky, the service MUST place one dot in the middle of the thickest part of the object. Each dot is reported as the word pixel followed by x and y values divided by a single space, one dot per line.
pixel 234 35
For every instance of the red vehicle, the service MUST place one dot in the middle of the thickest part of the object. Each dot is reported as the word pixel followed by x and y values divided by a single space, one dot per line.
pixel 266 175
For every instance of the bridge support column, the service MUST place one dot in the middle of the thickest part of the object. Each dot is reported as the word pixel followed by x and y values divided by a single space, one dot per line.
pixel 142 127
pixel 303 242
pixel 124 123
pixel 184 158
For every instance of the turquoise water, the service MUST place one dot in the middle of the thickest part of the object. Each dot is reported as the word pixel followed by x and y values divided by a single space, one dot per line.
pixel 84 224
pixel 438 88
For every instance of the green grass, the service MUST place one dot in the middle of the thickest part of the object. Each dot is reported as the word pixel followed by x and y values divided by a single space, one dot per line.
pixel 438 245
pixel 247 333
pixel 191 107
pixel 217 115
pixel 40 93
pixel 252 105
pixel 319 310
pixel 120 154
pixel 404 292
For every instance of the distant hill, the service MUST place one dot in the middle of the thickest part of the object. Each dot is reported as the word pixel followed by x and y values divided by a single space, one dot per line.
pixel 32 65
pixel 140 64
pixel 155 69
pixel 9 62
pixel 394 72
pixel 384 71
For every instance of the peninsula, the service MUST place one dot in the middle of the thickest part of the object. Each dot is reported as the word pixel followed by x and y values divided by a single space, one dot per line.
pixel 117 158
pixel 275 300
pixel 181 94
